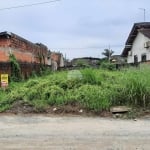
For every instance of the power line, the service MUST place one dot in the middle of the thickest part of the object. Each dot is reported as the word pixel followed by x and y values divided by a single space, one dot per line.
pixel 29 5
pixel 101 47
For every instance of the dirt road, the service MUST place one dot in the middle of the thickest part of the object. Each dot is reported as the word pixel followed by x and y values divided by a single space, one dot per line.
pixel 72 133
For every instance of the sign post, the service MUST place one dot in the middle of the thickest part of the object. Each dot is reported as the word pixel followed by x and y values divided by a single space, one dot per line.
pixel 4 80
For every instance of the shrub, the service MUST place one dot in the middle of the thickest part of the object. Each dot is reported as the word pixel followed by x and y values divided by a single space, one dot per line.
pixel 31 83
pixel 54 95
pixel 15 69
pixel 108 66
pixel 32 94
pixel 74 83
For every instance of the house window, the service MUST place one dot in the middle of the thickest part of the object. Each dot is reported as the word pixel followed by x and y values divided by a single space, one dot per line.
pixel 143 58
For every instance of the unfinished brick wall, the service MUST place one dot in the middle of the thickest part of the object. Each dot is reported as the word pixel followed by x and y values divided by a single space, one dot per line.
pixel 58 57
pixel 4 57
pixel 29 55
pixel 25 45
pixel 5 67
pixel 4 41
pixel 23 57
pixel 26 68
pixel 24 50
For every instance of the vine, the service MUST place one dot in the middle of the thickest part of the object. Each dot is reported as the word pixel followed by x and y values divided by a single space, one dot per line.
pixel 41 58
pixel 15 68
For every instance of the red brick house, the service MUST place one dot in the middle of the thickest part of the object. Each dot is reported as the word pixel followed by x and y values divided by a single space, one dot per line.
pixel 25 52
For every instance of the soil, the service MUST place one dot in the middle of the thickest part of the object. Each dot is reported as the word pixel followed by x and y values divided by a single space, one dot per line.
pixel 20 107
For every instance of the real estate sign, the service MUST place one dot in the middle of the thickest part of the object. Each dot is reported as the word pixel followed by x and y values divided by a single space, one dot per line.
pixel 4 80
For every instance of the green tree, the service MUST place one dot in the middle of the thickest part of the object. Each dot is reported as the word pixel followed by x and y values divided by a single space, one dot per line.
pixel 108 53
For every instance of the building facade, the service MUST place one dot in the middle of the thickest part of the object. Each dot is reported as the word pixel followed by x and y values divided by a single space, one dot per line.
pixel 29 55
pixel 24 50
pixel 137 47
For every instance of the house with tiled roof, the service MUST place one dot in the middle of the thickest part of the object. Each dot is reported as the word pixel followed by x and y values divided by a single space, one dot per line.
pixel 137 46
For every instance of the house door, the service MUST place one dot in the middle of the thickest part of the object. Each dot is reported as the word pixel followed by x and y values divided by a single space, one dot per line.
pixel 135 59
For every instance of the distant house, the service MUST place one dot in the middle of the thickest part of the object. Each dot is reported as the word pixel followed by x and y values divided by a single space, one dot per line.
pixel 137 46
pixel 57 60
pixel 117 59
pixel 91 61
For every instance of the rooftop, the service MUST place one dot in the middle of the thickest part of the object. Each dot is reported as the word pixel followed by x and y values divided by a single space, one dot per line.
pixel 143 27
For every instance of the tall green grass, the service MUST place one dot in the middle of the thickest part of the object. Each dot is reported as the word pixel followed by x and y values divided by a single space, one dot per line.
pixel 97 90
pixel 91 76
pixel 135 89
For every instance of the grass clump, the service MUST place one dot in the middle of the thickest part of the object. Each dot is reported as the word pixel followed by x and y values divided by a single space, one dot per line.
pixel 136 87
pixel 94 97
pixel 90 76
pixel 54 95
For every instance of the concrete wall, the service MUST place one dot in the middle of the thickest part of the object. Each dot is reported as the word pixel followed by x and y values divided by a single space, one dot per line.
pixel 138 48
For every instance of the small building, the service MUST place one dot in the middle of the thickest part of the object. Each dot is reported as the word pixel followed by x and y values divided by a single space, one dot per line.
pixel 118 59
pixel 86 61
pixel 137 46
pixel 57 60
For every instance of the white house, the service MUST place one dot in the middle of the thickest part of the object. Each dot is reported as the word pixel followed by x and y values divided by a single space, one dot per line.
pixel 137 46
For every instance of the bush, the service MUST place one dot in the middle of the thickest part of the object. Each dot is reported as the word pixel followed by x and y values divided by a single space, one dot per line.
pixel 15 69
pixel 31 83
pixel 54 95
pixel 108 66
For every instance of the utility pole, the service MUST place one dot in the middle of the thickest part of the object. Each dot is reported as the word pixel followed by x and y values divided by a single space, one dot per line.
pixel 109 52
pixel 144 11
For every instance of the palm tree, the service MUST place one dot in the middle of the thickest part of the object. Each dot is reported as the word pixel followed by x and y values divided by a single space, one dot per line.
pixel 108 53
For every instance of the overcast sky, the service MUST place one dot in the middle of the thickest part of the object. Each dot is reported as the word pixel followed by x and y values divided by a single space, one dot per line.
pixel 77 28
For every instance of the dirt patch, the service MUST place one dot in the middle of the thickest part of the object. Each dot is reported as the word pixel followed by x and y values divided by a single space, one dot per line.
pixel 21 107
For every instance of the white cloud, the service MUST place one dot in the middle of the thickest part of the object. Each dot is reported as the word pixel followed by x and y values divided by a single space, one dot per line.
pixel 72 24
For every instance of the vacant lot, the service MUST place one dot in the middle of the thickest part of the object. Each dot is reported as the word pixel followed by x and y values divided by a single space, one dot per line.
pixel 41 132
pixel 94 90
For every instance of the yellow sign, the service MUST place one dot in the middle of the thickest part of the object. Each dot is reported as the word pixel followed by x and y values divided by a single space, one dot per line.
pixel 4 80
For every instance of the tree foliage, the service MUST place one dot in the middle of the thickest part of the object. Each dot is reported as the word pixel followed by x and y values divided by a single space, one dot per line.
pixel 107 53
